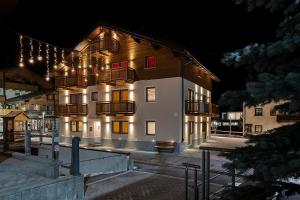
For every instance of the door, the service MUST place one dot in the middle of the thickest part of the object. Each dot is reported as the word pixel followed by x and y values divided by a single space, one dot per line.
pixel 119 99
pixel 191 95
pixel 97 129
pixel 76 98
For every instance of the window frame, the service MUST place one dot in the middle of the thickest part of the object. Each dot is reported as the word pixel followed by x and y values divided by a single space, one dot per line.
pixel 120 127
pixel 147 97
pixel 76 125
pixel 146 62
pixel 146 130
pixel 92 96
pixel 256 127
pixel 255 113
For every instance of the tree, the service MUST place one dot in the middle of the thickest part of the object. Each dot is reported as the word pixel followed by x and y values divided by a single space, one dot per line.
pixel 275 68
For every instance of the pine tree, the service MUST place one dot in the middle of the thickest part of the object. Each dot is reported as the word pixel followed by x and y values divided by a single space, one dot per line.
pixel 275 72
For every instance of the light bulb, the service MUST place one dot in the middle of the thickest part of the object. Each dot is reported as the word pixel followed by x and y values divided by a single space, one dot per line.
pixel 31 61
pixel 55 66
pixel 97 74
pixel 73 70
pixel 21 64
pixel 40 58
pixel 85 80
pixel 90 66
pixel 79 66
pixel 47 78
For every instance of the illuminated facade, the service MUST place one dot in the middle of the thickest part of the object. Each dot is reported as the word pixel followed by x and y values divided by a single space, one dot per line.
pixel 125 90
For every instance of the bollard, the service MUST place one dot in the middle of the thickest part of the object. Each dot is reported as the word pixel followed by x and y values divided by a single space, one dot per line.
pixel 195 185
pixel 233 179
pixel 27 142
pixel 55 145
pixel 207 166
pixel 75 157
pixel 203 174
pixel 186 183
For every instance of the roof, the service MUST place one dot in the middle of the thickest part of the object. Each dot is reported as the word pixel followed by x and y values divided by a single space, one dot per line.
pixel 171 45
pixel 28 96
pixel 13 114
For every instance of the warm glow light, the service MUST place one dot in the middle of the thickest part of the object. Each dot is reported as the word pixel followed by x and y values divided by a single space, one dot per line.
pixel 21 64
pixel 40 58
pixel 107 119
pixel 84 99
pixel 31 61
pixel 186 118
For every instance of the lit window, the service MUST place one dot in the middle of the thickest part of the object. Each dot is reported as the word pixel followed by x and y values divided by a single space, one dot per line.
pixel 258 112
pixel 151 62
pixel 124 64
pixel 94 96
pixel 115 65
pixel 258 128
pixel 150 94
pixel 76 126
pixel 150 127
pixel 120 127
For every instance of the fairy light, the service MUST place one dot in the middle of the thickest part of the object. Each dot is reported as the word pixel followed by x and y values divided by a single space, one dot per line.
pixel 40 58
pixel 31 60
pixel 55 58
pixel 90 57
pixel 72 62
pixel 63 57
pixel 80 61
pixel 47 62
pixel 21 56
pixel 97 66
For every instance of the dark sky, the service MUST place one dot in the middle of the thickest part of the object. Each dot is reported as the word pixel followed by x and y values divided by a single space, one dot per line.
pixel 209 28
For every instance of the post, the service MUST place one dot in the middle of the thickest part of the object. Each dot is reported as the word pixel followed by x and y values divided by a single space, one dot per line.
pixel 27 142
pixel 75 157
pixel 55 145
pixel 203 174
pixel 207 175
pixel 233 178
pixel 5 140
pixel 186 183
pixel 195 185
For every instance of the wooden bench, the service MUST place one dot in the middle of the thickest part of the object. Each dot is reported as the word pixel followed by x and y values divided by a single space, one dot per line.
pixel 167 146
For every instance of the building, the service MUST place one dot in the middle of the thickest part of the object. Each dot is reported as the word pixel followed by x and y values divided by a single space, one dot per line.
pixel 261 118
pixel 127 90
pixel 229 123
pixel 39 107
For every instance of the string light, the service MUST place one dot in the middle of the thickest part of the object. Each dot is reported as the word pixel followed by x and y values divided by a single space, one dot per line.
pixel 47 62
pixel 40 58
pixel 80 61
pixel 72 62
pixel 63 57
pixel 21 56
pixel 97 66
pixel 90 57
pixel 55 58
pixel 31 60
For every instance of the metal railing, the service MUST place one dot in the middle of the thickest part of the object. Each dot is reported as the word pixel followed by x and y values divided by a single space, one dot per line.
pixel 288 118
pixel 112 75
pixel 110 107
pixel 71 109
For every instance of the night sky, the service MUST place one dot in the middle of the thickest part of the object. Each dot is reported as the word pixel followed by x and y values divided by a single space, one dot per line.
pixel 208 28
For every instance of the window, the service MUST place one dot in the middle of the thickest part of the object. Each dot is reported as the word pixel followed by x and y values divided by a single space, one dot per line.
pixel 50 97
pixel 258 112
pixel 94 96
pixel 151 62
pixel 150 127
pixel 258 128
pixel 248 128
pixel 150 94
pixel 124 64
pixel 119 95
pixel 273 112
pixel 120 127
pixel 76 126
pixel 115 65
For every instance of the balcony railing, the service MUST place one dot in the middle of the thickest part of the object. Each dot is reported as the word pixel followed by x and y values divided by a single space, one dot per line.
pixel 197 107
pixel 113 75
pixel 71 109
pixel 70 81
pixel 113 108
pixel 288 118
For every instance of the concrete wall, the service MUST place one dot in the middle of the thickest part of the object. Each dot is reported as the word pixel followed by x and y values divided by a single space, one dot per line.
pixel 91 161
pixel 267 121
pixel 64 188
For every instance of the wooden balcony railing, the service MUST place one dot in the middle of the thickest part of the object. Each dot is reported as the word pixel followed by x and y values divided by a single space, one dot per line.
pixel 288 118
pixel 112 75
pixel 70 81
pixel 71 109
pixel 113 108
pixel 197 107
pixel 109 44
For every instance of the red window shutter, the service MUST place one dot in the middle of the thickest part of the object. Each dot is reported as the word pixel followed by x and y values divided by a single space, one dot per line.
pixel 94 70
pixel 80 72
pixel 124 64
pixel 151 62
pixel 115 65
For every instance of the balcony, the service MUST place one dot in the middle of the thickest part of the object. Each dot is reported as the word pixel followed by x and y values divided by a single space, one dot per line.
pixel 71 109
pixel 70 81
pixel 106 45
pixel 114 108
pixel 111 76
pixel 288 118
pixel 197 107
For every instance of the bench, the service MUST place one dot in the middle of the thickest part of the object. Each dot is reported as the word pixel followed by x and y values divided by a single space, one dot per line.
pixel 167 146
